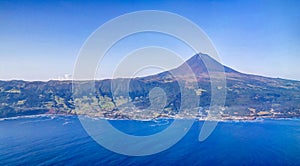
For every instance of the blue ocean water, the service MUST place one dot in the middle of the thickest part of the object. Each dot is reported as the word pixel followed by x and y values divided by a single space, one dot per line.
pixel 61 140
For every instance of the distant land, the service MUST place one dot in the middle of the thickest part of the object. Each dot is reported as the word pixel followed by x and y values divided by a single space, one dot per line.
pixel 248 96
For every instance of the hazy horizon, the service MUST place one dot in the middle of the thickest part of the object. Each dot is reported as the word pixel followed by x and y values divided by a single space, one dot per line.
pixel 69 77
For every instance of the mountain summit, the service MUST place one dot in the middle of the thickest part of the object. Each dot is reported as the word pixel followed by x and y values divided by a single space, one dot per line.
pixel 199 63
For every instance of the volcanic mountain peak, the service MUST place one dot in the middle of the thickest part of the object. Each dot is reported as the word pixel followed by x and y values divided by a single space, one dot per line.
pixel 201 63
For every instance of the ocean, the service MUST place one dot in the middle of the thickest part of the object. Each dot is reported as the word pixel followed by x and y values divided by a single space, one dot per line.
pixel 61 140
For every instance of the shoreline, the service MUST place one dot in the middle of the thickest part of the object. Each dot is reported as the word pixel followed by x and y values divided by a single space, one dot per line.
pixel 257 119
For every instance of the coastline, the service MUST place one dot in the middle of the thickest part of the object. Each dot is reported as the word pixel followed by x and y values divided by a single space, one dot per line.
pixel 52 116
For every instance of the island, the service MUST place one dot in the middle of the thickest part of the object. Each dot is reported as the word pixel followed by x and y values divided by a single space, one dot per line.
pixel 247 96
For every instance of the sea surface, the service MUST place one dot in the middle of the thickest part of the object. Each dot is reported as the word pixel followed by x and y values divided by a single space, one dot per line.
pixel 61 140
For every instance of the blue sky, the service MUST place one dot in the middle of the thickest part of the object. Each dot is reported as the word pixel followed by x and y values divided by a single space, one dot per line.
pixel 41 40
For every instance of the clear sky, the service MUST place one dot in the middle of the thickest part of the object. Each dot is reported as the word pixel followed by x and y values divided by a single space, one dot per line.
pixel 40 40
